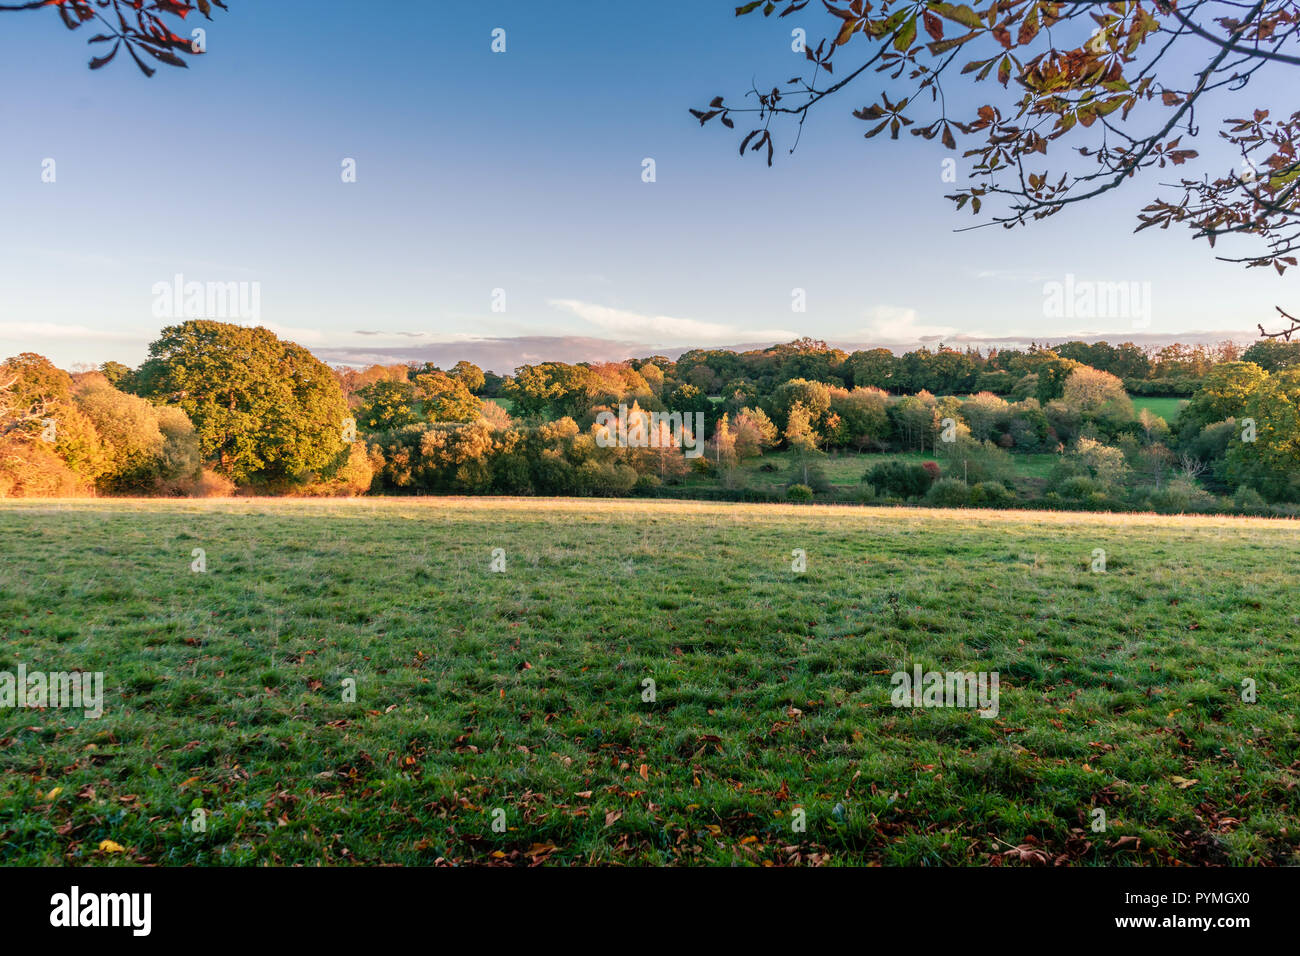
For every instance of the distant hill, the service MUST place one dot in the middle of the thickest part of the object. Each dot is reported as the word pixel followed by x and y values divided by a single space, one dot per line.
pixel 504 355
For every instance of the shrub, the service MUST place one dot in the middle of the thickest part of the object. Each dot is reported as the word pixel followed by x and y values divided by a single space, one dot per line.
pixel 974 461
pixel 605 479
pixel 1211 442
pixel 949 493
pixel 1027 425
pixel 32 470
pixel 128 428
pixel 990 494
pixel 180 456
pixel 1094 460
pixel 1079 488
pixel 209 484
pixel 351 474
pixel 799 493
pixel 1180 495
pixel 1248 499
pixel 813 476
pixel 901 479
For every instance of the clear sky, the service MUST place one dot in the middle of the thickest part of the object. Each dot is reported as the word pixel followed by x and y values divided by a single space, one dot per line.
pixel 522 172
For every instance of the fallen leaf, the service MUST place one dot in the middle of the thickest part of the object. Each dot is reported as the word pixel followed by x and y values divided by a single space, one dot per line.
pixel 1027 854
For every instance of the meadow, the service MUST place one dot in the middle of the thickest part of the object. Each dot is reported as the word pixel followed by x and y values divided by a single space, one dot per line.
pixel 1165 407
pixel 845 469
pixel 646 682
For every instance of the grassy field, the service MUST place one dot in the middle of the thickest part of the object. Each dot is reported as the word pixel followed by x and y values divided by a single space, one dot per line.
pixel 848 468
pixel 844 469
pixel 520 698
pixel 1166 408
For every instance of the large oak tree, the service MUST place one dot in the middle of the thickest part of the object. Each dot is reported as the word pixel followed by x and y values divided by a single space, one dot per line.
pixel 264 409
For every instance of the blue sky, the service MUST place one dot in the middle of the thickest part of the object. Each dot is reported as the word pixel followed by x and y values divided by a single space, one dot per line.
pixel 522 172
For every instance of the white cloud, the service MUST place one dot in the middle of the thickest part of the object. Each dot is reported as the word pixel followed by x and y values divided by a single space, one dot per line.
pixel 41 331
pixel 663 327
pixel 899 326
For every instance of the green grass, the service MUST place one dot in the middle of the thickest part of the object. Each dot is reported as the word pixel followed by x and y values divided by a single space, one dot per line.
pixel 1166 408
pixel 845 469
pixel 523 691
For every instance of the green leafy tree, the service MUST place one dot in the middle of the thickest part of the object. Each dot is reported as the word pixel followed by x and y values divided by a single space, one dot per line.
pixel 951 372
pixel 446 399
pixel 1223 394
pixel 1271 463
pixel 117 375
pixel 387 406
pixel 470 374
pixel 553 390
pixel 815 398
pixel 802 439
pixel 985 414
pixel 1272 355
pixel 737 394
pixel 904 479
pixel 264 409
pixel 181 460
pixel 689 399
pixel 877 368
pixel 916 419
pixel 861 417
pixel 128 427
pixel 1098 397
pixel 1052 374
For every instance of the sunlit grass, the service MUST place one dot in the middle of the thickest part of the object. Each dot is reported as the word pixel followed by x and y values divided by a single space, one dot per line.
pixel 523 691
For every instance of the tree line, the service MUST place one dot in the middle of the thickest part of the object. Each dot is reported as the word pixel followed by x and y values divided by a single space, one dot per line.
pixel 219 408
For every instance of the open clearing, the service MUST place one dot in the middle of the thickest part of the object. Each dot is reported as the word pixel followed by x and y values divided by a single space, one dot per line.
pixel 522 692
pixel 1166 408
